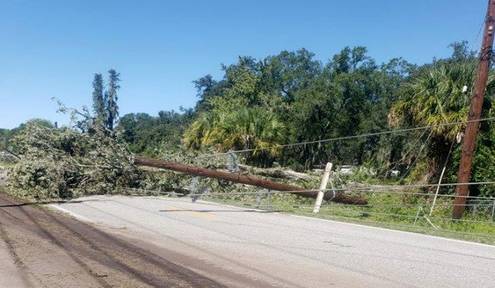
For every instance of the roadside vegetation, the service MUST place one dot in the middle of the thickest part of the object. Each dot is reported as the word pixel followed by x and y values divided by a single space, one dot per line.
pixel 386 210
pixel 258 106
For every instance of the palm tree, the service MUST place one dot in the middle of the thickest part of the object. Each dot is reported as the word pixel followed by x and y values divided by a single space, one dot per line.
pixel 436 95
pixel 197 135
pixel 439 94
pixel 245 128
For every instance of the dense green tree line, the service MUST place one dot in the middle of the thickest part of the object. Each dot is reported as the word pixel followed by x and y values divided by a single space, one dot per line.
pixel 291 97
pixel 151 135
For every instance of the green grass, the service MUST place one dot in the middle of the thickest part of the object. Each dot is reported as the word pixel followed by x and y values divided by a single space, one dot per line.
pixel 399 212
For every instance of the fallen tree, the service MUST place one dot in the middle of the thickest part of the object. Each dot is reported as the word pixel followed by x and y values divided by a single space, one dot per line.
pixel 249 180
pixel 63 163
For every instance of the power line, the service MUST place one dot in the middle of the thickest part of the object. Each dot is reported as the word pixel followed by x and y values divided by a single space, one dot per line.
pixel 360 211
pixel 370 189
pixel 411 165
pixel 413 147
pixel 384 132
pixel 395 205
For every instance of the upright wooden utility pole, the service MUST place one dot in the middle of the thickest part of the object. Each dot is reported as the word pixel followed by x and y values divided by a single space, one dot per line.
pixel 472 127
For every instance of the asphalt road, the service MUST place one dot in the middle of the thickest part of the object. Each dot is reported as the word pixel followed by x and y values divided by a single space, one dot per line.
pixel 247 248
pixel 39 248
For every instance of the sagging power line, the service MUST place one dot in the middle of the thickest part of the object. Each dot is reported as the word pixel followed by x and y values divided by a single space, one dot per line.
pixel 364 135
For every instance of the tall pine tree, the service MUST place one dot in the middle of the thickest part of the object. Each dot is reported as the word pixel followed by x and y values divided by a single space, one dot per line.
pixel 111 98
pixel 99 106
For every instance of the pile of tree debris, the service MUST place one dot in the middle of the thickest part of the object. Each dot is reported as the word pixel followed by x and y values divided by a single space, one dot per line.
pixel 64 163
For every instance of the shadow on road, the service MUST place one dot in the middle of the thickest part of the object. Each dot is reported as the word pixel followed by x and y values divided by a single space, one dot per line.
pixel 37 203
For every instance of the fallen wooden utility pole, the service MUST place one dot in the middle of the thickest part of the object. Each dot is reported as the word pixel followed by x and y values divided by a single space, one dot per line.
pixel 249 180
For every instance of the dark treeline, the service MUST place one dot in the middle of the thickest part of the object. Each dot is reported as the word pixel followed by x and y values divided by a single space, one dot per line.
pixel 291 98
pixel 152 136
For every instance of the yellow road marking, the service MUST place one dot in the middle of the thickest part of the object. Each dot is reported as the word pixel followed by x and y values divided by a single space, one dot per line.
pixel 206 215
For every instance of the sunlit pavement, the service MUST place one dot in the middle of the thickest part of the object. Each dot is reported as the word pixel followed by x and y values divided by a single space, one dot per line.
pixel 285 250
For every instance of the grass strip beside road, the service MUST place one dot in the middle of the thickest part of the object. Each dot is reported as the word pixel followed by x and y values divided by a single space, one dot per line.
pixel 384 211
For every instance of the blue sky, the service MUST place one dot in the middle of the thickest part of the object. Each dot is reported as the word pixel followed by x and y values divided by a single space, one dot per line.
pixel 53 48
